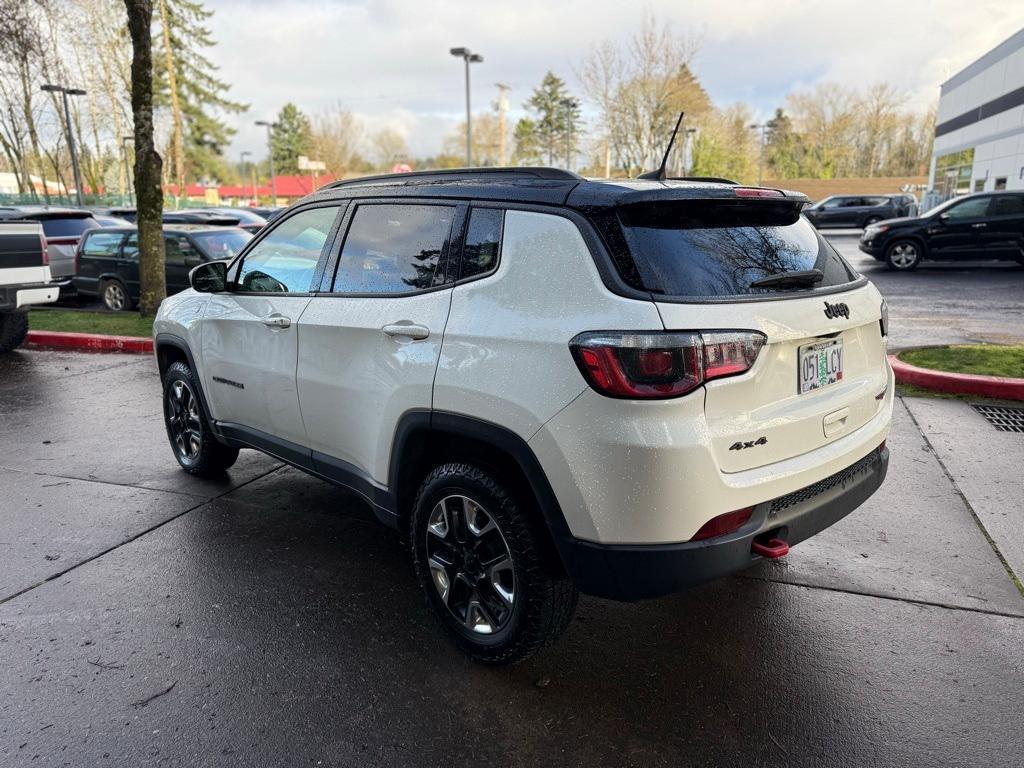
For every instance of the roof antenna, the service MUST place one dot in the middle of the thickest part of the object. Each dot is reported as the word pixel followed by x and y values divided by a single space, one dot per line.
pixel 659 175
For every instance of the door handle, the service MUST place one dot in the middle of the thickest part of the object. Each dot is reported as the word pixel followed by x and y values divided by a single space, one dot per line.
pixel 276 321
pixel 406 329
pixel 979 225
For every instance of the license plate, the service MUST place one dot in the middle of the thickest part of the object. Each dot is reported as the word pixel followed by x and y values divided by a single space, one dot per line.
pixel 821 364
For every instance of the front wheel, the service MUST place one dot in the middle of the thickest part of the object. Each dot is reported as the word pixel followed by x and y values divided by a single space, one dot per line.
pixel 479 562
pixel 195 446
pixel 903 255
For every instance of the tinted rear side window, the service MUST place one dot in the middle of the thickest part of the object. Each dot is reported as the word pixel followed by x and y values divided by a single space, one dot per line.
pixel 68 227
pixel 483 239
pixel 705 250
pixel 393 249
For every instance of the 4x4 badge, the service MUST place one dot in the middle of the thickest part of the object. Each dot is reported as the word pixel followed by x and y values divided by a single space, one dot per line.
pixel 740 445
pixel 837 310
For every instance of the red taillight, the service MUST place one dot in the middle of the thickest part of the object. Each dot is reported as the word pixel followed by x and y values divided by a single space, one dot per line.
pixel 652 366
pixel 723 524
pixel 757 192
pixel 46 250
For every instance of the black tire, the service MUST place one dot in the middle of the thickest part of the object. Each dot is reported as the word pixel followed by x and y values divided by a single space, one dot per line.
pixel 527 607
pixel 13 330
pixel 872 220
pixel 115 296
pixel 194 445
pixel 903 255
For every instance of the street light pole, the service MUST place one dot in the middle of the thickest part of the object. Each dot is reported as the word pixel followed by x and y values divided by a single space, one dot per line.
pixel 763 127
pixel 243 156
pixel 469 58
pixel 71 134
pixel 270 146
pixel 687 141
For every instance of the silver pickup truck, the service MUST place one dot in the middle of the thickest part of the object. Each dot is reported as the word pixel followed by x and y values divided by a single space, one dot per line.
pixel 24 278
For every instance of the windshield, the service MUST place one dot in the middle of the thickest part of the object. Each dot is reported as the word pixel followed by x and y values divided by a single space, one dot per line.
pixel 221 244
pixel 70 227
pixel 702 250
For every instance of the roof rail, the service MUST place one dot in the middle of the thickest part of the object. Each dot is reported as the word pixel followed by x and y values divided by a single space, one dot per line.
pixel 537 172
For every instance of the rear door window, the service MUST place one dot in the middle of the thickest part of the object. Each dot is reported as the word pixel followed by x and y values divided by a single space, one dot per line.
pixel 1007 205
pixel 701 250
pixel 102 244
pixel 394 249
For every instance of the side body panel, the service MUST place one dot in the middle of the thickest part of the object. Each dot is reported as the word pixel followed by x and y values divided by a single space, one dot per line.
pixel 505 357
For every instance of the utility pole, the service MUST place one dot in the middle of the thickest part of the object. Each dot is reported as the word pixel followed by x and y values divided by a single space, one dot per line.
pixel 270 146
pixel 469 58
pixel 502 109
pixel 763 127
pixel 71 134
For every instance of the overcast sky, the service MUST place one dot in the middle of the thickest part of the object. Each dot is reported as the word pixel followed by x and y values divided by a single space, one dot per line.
pixel 388 61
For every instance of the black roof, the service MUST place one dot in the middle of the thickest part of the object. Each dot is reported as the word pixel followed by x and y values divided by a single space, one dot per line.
pixel 550 186
pixel 43 212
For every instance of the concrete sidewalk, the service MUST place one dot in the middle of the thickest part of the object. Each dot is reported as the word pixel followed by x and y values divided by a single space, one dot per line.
pixel 148 618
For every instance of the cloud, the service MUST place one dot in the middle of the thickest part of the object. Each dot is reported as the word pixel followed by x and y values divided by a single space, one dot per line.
pixel 388 60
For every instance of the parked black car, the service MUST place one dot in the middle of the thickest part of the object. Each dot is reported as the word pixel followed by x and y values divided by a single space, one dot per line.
pixel 126 212
pixel 108 259
pixel 859 210
pixel 988 225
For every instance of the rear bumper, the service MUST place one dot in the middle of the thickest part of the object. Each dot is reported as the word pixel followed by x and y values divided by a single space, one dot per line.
pixel 635 572
pixel 15 297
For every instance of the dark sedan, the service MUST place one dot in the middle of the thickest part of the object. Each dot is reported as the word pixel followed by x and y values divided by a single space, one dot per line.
pixel 859 211
pixel 987 225
pixel 108 259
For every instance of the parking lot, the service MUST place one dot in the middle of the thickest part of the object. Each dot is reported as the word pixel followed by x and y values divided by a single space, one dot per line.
pixel 149 618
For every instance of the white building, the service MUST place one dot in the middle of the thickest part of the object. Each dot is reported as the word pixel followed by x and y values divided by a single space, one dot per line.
pixel 979 131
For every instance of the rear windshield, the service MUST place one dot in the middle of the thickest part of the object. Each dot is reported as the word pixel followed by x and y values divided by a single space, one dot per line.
pixel 221 244
pixel 697 249
pixel 68 227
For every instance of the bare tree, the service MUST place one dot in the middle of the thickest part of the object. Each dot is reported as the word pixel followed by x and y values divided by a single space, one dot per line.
pixel 640 89
pixel 148 164
pixel 389 147
pixel 336 136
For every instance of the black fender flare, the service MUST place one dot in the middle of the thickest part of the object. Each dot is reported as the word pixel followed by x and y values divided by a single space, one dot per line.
pixel 164 340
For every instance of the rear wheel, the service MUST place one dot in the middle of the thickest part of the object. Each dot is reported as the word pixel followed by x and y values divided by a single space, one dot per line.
pixel 114 296
pixel 872 220
pixel 13 330
pixel 903 255
pixel 479 563
pixel 195 446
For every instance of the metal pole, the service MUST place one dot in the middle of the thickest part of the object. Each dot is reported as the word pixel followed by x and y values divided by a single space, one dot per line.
pixel 760 164
pixel 273 179
pixel 71 147
pixel 469 118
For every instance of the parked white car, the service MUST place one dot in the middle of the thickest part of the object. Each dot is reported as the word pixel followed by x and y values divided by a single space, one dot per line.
pixel 549 384
pixel 24 278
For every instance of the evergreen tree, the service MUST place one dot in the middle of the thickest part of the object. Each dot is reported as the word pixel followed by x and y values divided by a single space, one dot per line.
pixel 527 150
pixel 199 98
pixel 782 147
pixel 557 123
pixel 292 137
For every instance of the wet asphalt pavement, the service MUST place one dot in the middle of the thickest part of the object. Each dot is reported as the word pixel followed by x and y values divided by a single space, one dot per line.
pixel 945 302
pixel 149 618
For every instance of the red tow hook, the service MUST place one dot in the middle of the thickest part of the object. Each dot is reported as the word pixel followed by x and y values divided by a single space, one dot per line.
pixel 771 549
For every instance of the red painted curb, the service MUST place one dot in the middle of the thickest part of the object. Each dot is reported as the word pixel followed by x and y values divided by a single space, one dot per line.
pixel 89 342
pixel 1000 387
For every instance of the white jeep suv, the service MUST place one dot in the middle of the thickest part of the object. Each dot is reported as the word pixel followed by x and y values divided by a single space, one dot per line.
pixel 549 384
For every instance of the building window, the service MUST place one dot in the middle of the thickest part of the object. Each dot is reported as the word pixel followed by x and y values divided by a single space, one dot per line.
pixel 953 173
pixel 979 185
pixel 1000 183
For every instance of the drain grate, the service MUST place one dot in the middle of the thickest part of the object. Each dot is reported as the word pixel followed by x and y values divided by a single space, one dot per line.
pixel 1002 418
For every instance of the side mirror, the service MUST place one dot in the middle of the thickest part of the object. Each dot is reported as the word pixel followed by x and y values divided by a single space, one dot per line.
pixel 211 277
